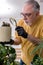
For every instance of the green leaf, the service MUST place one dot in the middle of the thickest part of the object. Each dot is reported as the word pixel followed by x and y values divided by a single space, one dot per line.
pixel 40 46
pixel 8 62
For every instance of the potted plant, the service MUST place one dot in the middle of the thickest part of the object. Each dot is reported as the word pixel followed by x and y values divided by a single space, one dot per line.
pixel 37 60
pixel 7 55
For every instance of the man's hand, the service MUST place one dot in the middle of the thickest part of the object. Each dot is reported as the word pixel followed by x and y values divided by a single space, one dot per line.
pixel 21 31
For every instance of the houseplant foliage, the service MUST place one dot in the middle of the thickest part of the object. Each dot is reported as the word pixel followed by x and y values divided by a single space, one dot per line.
pixel 37 60
pixel 7 55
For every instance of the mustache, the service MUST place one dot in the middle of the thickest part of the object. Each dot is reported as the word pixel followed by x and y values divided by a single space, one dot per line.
pixel 28 22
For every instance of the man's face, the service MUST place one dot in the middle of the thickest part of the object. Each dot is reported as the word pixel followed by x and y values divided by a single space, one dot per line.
pixel 29 14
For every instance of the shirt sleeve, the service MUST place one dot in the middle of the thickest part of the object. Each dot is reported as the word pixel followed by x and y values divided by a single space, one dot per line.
pixel 41 33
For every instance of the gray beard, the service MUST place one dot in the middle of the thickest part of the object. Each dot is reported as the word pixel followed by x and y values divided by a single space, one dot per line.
pixel 28 23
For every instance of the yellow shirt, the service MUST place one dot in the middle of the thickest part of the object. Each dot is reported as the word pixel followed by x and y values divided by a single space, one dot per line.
pixel 27 46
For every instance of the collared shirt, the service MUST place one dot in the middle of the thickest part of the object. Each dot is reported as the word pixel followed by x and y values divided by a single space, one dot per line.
pixel 36 30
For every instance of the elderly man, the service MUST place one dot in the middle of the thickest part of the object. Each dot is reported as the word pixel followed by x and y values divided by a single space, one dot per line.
pixel 29 30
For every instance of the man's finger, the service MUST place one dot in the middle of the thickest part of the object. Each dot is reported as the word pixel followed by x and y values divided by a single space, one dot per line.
pixel 18 27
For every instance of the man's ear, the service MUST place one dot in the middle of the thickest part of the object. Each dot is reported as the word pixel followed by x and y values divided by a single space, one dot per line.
pixel 37 13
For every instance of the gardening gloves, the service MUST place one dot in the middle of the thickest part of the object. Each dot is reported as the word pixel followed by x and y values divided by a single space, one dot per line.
pixel 21 32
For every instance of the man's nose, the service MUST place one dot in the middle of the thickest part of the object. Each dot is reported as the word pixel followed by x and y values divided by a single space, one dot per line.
pixel 25 18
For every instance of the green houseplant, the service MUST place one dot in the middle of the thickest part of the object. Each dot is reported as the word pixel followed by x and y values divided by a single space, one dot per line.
pixel 37 60
pixel 7 55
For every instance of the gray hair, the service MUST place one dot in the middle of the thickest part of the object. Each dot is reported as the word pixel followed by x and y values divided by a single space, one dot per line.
pixel 35 4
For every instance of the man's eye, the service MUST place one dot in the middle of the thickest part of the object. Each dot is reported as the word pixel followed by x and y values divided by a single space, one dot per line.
pixel 28 14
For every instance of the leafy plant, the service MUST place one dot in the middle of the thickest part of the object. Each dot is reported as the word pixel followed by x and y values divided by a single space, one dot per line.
pixel 7 55
pixel 37 60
